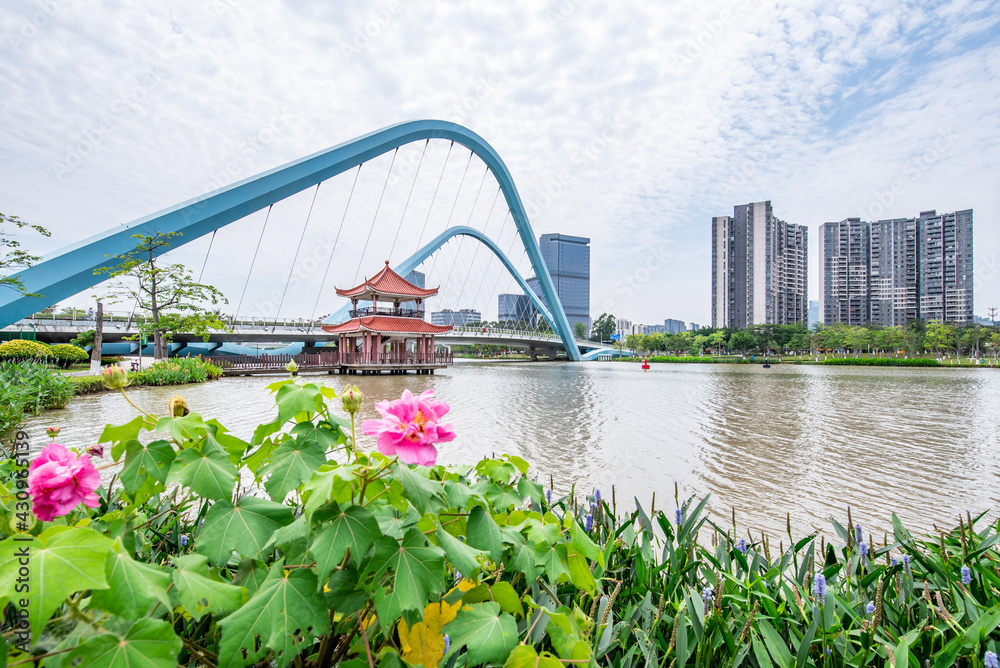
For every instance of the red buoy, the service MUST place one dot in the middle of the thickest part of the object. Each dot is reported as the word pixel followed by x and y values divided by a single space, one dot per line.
pixel 645 365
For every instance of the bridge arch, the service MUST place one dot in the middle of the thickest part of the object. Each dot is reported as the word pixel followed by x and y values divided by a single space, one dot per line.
pixel 71 269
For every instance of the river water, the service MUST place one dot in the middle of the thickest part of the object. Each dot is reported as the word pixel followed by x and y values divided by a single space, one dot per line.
pixel 809 440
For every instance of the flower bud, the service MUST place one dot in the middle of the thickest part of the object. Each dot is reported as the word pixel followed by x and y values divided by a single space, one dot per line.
pixel 95 450
pixel 52 432
pixel 291 367
pixel 177 406
pixel 351 397
pixel 115 377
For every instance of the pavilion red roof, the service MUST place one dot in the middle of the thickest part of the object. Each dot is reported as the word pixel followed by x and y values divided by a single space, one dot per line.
pixel 384 324
pixel 386 283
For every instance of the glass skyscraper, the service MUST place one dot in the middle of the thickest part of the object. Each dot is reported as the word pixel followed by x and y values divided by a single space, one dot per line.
pixel 568 260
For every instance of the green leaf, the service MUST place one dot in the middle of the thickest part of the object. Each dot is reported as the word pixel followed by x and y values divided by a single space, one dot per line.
pixel 121 434
pixel 61 561
pixel 290 465
pixel 353 528
pixel 580 575
pixel 504 594
pixel 553 560
pixel 418 569
pixel 984 626
pixel 458 493
pixel 206 470
pixel 188 428
pixel 149 643
pixel 502 496
pixel 775 644
pixel 329 483
pixel 284 616
pixel 583 544
pixel 487 635
pixel 484 533
pixel 144 463
pixel 293 399
pixel 419 490
pixel 461 556
pixel 133 586
pixel 525 559
pixel 325 434
pixel 199 593
pixel 524 656
pixel 244 527
pixel 343 592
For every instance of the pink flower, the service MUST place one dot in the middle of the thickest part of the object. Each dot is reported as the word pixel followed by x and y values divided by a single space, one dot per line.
pixel 59 481
pixel 410 427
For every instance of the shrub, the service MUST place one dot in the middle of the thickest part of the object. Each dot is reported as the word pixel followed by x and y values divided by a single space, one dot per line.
pixel 880 361
pixel 67 355
pixel 22 349
pixel 29 387
pixel 87 384
pixel 177 371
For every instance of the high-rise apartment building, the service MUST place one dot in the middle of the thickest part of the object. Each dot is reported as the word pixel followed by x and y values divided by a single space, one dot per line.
pixel 759 268
pixel 672 326
pixel 890 272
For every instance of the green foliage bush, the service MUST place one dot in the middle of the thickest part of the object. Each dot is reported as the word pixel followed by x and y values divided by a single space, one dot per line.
pixel 67 355
pixel 880 361
pixel 177 371
pixel 22 349
pixel 690 359
pixel 331 557
pixel 29 387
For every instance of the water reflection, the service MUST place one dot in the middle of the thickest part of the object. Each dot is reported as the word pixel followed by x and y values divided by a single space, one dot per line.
pixel 809 440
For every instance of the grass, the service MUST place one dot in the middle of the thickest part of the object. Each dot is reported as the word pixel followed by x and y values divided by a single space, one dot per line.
pixel 29 387
pixel 179 371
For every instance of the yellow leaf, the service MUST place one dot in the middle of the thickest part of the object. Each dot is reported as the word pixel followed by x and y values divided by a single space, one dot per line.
pixel 423 643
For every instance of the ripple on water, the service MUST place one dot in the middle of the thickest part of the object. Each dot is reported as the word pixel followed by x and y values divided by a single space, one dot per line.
pixel 808 440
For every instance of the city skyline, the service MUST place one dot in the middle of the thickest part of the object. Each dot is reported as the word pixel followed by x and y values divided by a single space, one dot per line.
pixel 112 113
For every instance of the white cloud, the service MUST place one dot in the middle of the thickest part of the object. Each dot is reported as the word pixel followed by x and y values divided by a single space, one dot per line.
pixel 814 105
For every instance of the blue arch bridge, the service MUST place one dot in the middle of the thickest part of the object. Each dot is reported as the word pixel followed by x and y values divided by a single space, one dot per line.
pixel 71 270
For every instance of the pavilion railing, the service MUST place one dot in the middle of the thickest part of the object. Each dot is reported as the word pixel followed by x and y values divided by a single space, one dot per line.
pixel 324 360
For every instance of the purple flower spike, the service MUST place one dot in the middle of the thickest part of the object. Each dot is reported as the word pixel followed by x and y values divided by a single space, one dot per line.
pixel 870 608
pixel 858 533
pixel 819 585
pixel 966 575
pixel 589 523
pixel 597 495
pixel 184 540
pixel 548 496
pixel 990 660
pixel 447 643
pixel 679 516
pixel 864 549
pixel 742 546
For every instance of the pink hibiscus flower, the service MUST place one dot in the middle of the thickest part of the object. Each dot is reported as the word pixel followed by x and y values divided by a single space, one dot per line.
pixel 410 426
pixel 59 481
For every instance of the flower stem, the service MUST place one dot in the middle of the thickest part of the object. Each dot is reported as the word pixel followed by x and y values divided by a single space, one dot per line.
pixel 122 390
pixel 354 439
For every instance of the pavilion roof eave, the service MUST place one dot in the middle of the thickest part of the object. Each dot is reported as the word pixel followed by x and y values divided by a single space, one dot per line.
pixel 388 325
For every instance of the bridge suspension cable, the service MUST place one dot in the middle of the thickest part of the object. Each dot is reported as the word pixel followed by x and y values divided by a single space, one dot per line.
pixel 468 224
pixel 434 197
pixel 483 279
pixel 205 264
pixel 475 253
pixel 408 196
pixel 295 258
pixel 254 260
pixel 375 217
pixel 453 205
pixel 333 250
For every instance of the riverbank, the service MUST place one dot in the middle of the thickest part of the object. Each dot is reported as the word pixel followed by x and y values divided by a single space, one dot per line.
pixel 924 362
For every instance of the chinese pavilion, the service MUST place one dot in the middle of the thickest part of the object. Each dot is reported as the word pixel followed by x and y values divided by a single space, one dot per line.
pixel 379 335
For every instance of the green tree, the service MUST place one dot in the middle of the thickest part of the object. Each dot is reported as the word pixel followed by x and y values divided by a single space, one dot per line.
pixel 603 327
pixel 579 330
pixel 167 293
pixel 717 340
pixel 743 341
pixel 938 335
pixel 11 254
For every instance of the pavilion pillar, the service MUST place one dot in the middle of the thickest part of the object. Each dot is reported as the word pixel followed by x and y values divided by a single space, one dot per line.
pixel 378 348
pixel 433 358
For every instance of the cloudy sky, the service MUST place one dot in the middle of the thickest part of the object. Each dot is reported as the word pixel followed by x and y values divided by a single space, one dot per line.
pixel 632 123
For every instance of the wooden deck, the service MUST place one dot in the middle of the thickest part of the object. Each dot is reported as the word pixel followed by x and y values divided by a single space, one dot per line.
pixel 329 362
